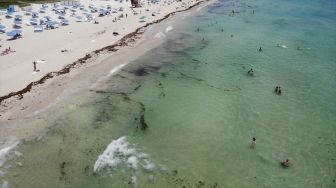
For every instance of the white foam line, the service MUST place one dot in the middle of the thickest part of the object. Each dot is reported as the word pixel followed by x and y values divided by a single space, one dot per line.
pixel 114 70
pixel 169 28
pixel 120 151
pixel 5 184
pixel 159 35
pixel 4 152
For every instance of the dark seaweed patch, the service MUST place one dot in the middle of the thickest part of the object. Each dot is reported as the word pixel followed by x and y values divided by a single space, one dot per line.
pixel 137 87
pixel 160 85
pixel 62 166
pixel 126 97
pixel 143 71
pixel 163 75
pixel 143 123
pixel 140 72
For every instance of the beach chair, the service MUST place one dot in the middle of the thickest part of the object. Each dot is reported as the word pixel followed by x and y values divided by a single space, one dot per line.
pixel 38 28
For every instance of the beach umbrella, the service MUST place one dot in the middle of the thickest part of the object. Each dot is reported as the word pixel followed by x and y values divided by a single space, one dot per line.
pixel 2 26
pixel 17 22
pixel 14 32
pixel 52 22
pixel 78 17
pixel 38 28
pixel 65 22
pixel 33 20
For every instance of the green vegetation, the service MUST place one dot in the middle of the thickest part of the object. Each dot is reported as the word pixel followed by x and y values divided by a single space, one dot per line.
pixel 21 3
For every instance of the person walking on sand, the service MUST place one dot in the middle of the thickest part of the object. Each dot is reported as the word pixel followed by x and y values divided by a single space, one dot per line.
pixel 34 63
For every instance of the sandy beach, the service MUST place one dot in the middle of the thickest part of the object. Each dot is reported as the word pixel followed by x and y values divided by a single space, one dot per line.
pixel 53 49
pixel 27 94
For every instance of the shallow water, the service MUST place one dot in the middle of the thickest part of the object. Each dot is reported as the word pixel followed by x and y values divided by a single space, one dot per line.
pixel 202 109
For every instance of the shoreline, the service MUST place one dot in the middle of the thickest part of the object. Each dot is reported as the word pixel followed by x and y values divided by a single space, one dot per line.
pixel 27 115
pixel 124 41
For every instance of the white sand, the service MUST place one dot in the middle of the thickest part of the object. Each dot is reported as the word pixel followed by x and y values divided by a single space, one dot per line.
pixel 80 38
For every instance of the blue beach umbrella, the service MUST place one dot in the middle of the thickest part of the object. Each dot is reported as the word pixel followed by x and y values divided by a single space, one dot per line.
pixel 52 22
pixel 2 26
pixel 14 33
pixel 33 20
pixel 17 22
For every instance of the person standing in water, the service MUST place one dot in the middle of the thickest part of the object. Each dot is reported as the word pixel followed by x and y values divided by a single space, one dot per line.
pixel 285 163
pixel 260 50
pixel 254 142
pixel 250 72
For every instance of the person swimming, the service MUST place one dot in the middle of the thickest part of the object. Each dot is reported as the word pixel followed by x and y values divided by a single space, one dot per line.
pixel 260 50
pixel 250 72
pixel 254 142
pixel 285 163
pixel 277 90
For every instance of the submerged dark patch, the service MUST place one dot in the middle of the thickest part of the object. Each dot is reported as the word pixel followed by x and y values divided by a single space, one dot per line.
pixel 62 171
pixel 143 123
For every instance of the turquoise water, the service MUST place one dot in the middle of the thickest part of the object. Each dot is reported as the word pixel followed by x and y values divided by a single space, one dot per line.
pixel 202 109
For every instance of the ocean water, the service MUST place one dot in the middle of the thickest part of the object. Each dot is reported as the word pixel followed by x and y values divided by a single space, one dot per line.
pixel 202 108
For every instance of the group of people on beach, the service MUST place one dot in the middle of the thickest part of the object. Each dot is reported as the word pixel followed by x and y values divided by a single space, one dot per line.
pixel 7 51
pixel 284 163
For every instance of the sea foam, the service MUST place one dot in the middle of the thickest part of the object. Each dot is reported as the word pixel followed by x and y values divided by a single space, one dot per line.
pixel 119 152
pixel 159 35
pixel 5 184
pixel 114 154
pixel 169 28
pixel 5 152
pixel 105 77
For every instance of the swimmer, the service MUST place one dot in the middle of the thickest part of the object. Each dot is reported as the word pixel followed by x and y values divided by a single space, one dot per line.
pixel 250 72
pixel 260 50
pixel 279 90
pixel 285 163
pixel 276 89
pixel 254 142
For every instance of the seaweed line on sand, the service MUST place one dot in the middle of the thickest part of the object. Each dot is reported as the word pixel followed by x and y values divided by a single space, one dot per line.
pixel 127 39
